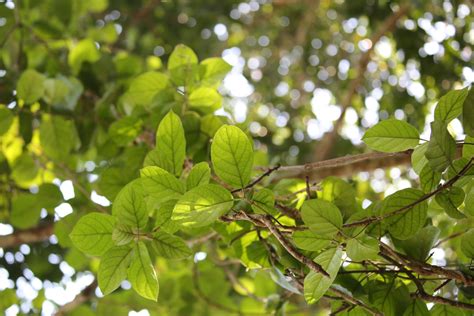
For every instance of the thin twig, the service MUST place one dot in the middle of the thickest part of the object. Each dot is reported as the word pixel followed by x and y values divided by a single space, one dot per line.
pixel 259 179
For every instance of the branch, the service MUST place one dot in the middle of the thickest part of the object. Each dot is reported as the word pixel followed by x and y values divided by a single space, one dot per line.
pixel 27 236
pixel 354 301
pixel 425 197
pixel 259 179
pixel 327 142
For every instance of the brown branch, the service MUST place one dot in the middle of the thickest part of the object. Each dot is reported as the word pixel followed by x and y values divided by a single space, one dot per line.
pixel 326 144
pixel 258 179
pixel 354 301
pixel 425 197
pixel 27 236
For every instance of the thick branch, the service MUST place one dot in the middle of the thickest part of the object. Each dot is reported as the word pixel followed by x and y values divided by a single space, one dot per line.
pixel 27 236
pixel 325 146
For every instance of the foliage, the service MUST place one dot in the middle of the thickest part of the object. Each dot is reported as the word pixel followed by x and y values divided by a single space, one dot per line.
pixel 204 218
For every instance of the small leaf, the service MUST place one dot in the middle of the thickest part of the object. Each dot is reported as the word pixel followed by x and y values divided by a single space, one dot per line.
pixel 129 206
pixel 199 174
pixel 468 113
pixel 25 211
pixel 169 246
pixel 316 284
pixel 213 70
pixel 467 243
pixel 161 185
pixel 125 130
pixel 83 51
pixel 57 136
pixel 6 119
pixel 263 202
pixel 183 65
pixel 205 100
pixel 391 136
pixel 113 268
pixel 407 223
pixel 202 205
pixel 307 240
pixel 362 248
pixel 171 144
pixel 441 148
pixel 341 193
pixel 232 156
pixel 450 105
pixel 322 217
pixel 142 274
pixel 93 233
pixel 449 200
pixel 30 87
pixel 146 86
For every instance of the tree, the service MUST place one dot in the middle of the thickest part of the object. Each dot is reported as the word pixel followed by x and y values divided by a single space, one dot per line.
pixel 130 178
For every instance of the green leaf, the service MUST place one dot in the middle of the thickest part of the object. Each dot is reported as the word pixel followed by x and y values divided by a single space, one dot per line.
pixel 307 240
pixel 469 202
pixel 202 205
pixel 418 159
pixel 199 174
pixel 182 65
pixel 429 179
pixel 467 148
pixel 316 284
pixel 362 248
pixel 125 130
pixel 450 200
pixel 49 196
pixel 161 185
pixel 441 148
pixel 468 114
pixel 146 86
pixel 25 211
pixel 6 119
pixel 169 246
pixel 171 144
pixel 93 233
pixel 113 268
pixel 417 308
pixel 30 86
pixel 56 91
pixel 322 217
pixel 419 245
pixel 263 202
pixel 210 124
pixel 205 100
pixel 446 310
pixel 142 274
pixel 406 224
pixel 391 136
pixel 57 136
pixel 129 206
pixel 467 243
pixel 83 51
pixel 24 168
pixel 388 298
pixel 341 193
pixel 232 156
pixel 450 105
pixel 122 235
pixel 213 70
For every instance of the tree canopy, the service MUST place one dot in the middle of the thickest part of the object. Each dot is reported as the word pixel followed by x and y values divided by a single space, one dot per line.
pixel 261 157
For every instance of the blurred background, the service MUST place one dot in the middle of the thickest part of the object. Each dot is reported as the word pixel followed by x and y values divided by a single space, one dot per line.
pixel 308 78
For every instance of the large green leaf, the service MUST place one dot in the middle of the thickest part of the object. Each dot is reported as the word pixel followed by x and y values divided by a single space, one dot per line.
pixel 232 156
pixel 113 268
pixel 142 274
pixel 468 113
pixel 30 86
pixel 407 223
pixel 129 206
pixel 146 86
pixel 202 205
pixel 391 136
pixel 389 298
pixel 441 148
pixel 93 233
pixel 161 185
pixel 199 174
pixel 450 105
pixel 57 136
pixel 171 144
pixel 307 240
pixel 316 284
pixel 362 248
pixel 467 243
pixel 417 308
pixel 169 246
pixel 322 217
